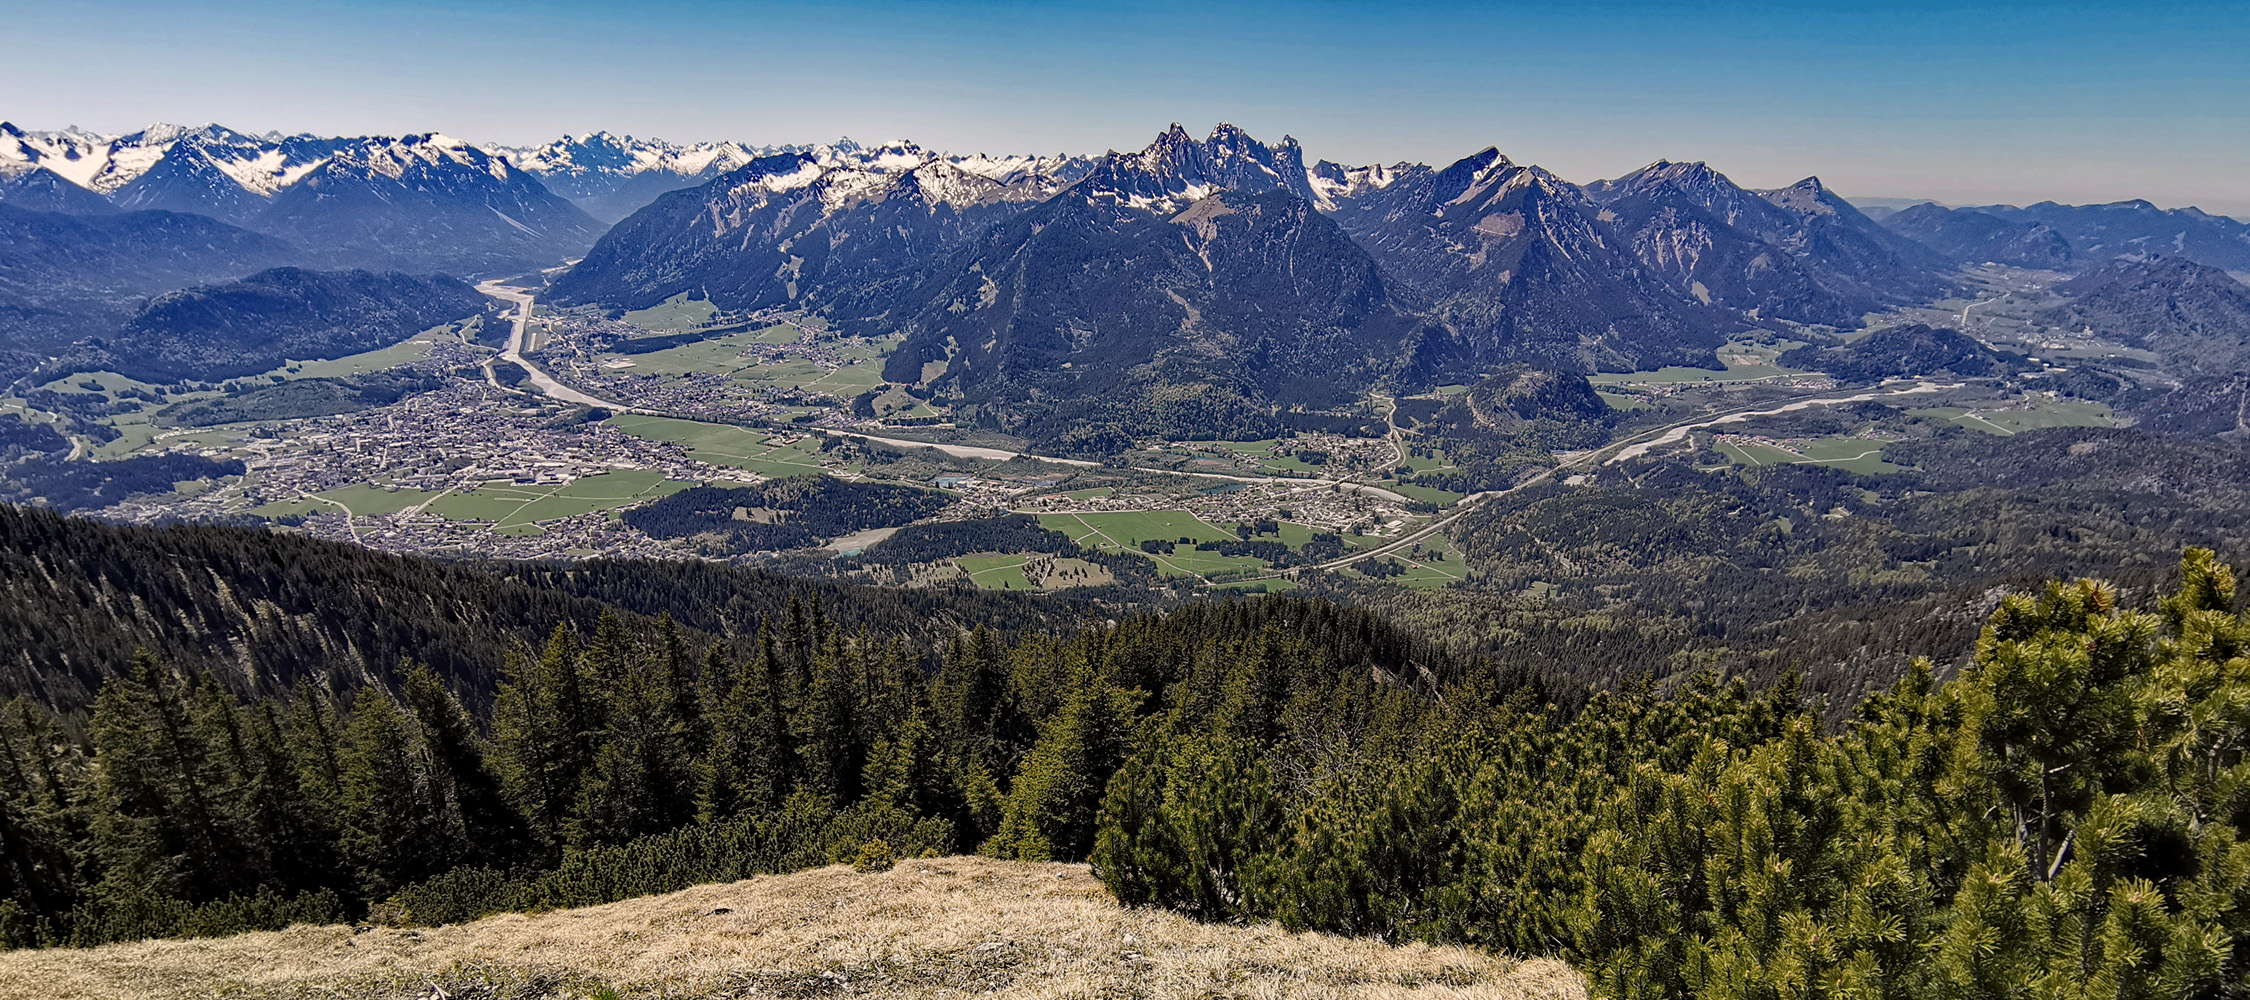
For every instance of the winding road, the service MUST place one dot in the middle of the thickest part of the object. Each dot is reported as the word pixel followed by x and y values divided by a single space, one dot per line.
pixel 513 354
pixel 1611 454
pixel 1615 452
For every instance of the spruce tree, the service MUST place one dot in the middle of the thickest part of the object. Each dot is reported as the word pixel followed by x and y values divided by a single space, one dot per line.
pixel 476 812
pixel 392 835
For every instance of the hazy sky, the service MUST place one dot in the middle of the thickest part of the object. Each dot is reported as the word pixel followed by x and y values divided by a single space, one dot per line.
pixel 1964 103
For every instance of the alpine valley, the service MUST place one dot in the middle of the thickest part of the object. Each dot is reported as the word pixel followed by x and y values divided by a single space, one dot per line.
pixel 1200 364
pixel 1655 576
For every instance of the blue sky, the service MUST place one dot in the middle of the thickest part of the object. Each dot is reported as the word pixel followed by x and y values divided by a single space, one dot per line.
pixel 1963 103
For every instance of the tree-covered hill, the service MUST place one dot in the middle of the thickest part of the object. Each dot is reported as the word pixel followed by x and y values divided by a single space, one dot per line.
pixel 1905 350
pixel 259 322
pixel 2062 818
pixel 265 610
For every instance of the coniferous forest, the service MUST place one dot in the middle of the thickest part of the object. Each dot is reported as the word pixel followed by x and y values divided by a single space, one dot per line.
pixel 2062 817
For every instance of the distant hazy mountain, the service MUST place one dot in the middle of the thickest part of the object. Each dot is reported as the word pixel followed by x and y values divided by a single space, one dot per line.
pixel 1850 251
pixel 1149 291
pixel 2099 232
pixel 830 228
pixel 1692 226
pixel 1519 262
pixel 423 202
pixel 209 170
pixel 428 203
pixel 42 190
pixel 63 277
pixel 2195 315
pixel 1974 237
pixel 253 325
pixel 1854 262
pixel 612 176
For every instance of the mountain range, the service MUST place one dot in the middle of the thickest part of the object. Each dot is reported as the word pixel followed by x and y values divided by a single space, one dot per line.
pixel 2196 316
pixel 611 176
pixel 419 202
pixel 840 226
pixel 1218 274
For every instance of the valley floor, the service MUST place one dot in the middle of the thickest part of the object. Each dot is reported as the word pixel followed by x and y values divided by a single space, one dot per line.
pixel 927 928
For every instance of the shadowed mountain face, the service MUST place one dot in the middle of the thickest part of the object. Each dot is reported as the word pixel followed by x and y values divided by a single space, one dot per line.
pixel 1521 264
pixel 1691 226
pixel 2194 315
pixel 39 189
pixel 418 202
pixel 1974 237
pixel 63 277
pixel 1847 250
pixel 428 203
pixel 256 324
pixel 1091 294
pixel 811 230
pixel 2100 232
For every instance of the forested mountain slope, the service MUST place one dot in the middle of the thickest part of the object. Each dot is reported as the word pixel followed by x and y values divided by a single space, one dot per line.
pixel 1974 237
pixel 2064 810
pixel 1092 310
pixel 2196 316
pixel 258 323
pixel 1520 262
pixel 267 610
pixel 67 276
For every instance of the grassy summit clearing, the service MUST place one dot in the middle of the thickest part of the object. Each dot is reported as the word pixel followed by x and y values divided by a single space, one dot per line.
pixel 927 928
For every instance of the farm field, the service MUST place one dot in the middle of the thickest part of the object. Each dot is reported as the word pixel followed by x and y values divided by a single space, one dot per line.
pixel 1006 571
pixel 1851 454
pixel 739 447
pixel 363 499
pixel 1744 362
pixel 676 313
pixel 2031 415
pixel 722 355
pixel 511 506
pixel 1127 529
pixel 1423 570
pixel 797 373
pixel 1122 531
pixel 996 572
pixel 511 509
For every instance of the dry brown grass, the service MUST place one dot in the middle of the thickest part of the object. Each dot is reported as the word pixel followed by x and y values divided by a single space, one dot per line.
pixel 939 928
